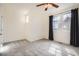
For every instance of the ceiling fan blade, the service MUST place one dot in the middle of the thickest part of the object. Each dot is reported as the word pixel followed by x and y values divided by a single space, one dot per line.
pixel 55 5
pixel 41 4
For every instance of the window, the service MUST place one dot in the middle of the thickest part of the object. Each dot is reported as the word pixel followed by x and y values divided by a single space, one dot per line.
pixel 66 21
pixel 62 21
pixel 56 22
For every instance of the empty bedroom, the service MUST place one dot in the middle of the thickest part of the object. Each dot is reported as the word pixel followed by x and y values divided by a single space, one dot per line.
pixel 39 29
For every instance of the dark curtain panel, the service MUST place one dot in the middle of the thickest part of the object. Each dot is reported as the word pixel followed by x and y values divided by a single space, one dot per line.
pixel 74 38
pixel 50 27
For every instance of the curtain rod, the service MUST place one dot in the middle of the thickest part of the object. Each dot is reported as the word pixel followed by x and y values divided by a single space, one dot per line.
pixel 64 12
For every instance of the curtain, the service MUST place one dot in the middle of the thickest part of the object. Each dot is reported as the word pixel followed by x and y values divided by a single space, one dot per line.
pixel 74 38
pixel 51 28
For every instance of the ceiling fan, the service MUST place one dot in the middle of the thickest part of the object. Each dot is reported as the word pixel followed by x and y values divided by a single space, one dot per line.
pixel 47 5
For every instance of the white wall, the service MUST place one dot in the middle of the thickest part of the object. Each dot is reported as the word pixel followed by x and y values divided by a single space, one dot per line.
pixel 38 26
pixel 14 22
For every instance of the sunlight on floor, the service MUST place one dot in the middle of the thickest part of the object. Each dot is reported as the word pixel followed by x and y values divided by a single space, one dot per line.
pixel 59 50
pixel 71 51
pixel 4 49
pixel 55 49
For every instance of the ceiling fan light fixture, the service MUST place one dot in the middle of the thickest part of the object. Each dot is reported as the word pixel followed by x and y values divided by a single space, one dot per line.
pixel 48 5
